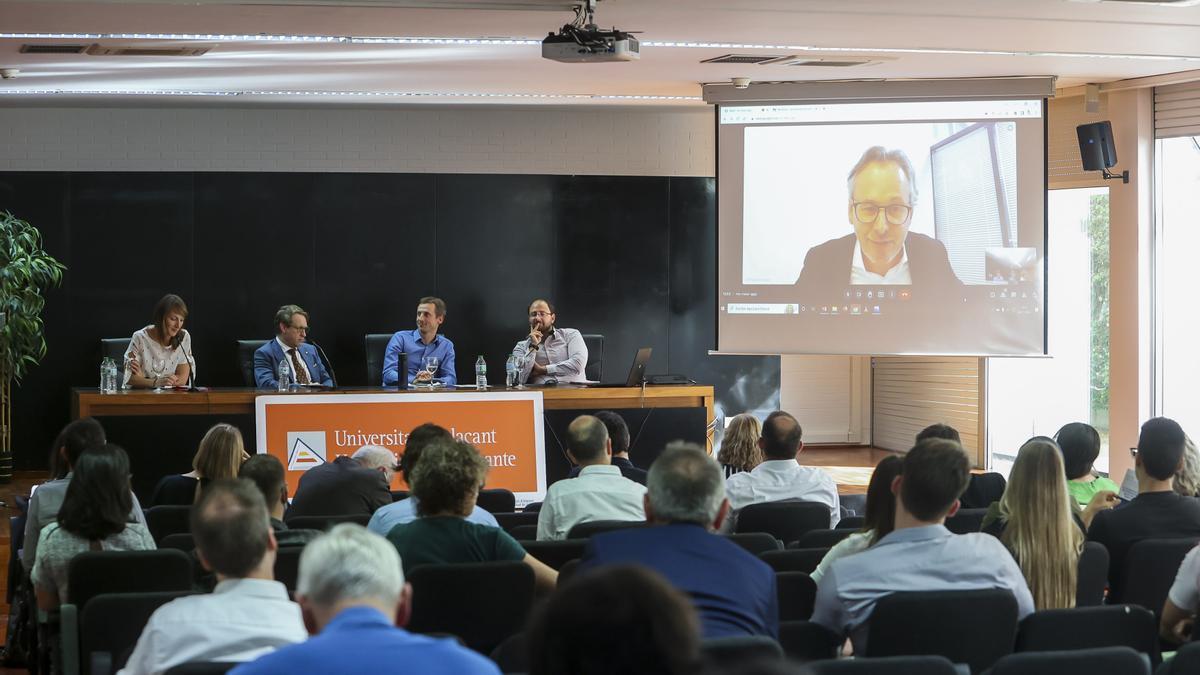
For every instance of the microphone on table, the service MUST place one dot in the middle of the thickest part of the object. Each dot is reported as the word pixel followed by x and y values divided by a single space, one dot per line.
pixel 325 360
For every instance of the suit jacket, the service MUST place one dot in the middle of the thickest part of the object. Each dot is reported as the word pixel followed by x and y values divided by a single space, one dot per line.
pixel 826 270
pixel 342 487
pixel 268 356
pixel 733 591
pixel 1154 515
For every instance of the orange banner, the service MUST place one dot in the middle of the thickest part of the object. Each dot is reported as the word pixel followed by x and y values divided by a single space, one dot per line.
pixel 304 431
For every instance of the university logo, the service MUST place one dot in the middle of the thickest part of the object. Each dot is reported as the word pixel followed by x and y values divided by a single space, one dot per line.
pixel 306 449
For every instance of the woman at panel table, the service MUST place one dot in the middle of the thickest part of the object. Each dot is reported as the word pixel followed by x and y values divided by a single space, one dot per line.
pixel 220 455
pixel 446 484
pixel 160 355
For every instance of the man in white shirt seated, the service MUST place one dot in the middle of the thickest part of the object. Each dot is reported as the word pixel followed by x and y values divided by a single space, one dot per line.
pixel 920 554
pixel 600 492
pixel 781 477
pixel 248 614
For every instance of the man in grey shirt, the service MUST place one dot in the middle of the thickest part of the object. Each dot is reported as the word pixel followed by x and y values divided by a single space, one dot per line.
pixel 47 498
pixel 920 554
pixel 550 354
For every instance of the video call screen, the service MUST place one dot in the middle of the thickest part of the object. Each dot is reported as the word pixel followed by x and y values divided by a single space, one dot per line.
pixel 882 228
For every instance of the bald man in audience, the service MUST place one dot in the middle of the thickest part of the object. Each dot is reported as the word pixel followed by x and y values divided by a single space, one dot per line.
pixel 600 492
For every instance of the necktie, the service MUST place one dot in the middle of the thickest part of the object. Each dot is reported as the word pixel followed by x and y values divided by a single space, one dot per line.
pixel 301 374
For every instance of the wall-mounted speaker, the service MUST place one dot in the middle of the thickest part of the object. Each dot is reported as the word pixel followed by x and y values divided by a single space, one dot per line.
pixel 1096 147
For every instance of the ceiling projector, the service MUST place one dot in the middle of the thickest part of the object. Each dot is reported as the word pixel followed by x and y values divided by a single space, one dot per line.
pixel 582 41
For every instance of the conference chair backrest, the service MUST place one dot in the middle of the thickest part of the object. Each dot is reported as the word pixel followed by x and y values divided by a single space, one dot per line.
pixel 797 593
pixel 287 565
pixel 794 559
pixel 594 370
pixel 497 500
pixel 1150 568
pixel 524 532
pixel 755 542
pixel 397 495
pixel 735 650
pixel 1185 662
pixel 966 521
pixel 567 571
pixel 168 519
pixel 94 572
pixel 115 348
pixel 203 668
pixel 1102 661
pixel 180 541
pixel 1051 630
pixel 892 665
pixel 822 538
pixel 111 624
pixel 852 523
pixel 326 523
pixel 16 538
pixel 512 655
pixel 555 553
pixel 508 521
pixel 808 641
pixel 245 351
pixel 376 345
pixel 972 627
pixel 481 603
pixel 586 530
pixel 787 521
pixel 1092 577
pixel 982 490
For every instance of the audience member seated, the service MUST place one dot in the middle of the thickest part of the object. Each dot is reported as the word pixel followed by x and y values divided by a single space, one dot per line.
pixel 618 433
pixel 878 521
pixel 920 554
pixel 982 489
pixel 47 499
pixel 740 450
pixel 781 476
pixel 220 455
pixel 618 619
pixel 1037 523
pixel 733 591
pixel 94 517
pixel 1179 611
pixel 599 493
pixel 446 483
pixel 1158 512
pixel 353 595
pixel 248 614
pixel 1080 445
pixel 355 485
pixel 267 474
pixel 405 510
pixel 160 355
pixel 1187 479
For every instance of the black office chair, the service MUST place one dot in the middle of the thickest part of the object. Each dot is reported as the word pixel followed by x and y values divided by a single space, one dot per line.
pixel 892 665
pixel 1150 568
pixel 794 559
pixel 287 565
pixel 1054 630
pixel 739 649
pixel 524 532
pixel 497 500
pixel 797 593
pixel 966 521
pixel 168 519
pixel 982 490
pixel 555 552
pixel 512 655
pixel 481 603
pixel 755 542
pixel 852 523
pixel 1101 661
pixel 376 344
pixel 787 521
pixel 822 538
pixel 326 523
pixel 1185 662
pixel 1092 577
pixel 567 571
pixel 180 541
pixel 246 349
pixel 971 627
pixel 594 370
pixel 110 625
pixel 508 521
pixel 586 530
pixel 808 641
pixel 115 348
pixel 397 495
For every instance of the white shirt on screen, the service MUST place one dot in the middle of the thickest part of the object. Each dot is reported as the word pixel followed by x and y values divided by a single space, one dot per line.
pixel 292 364
pixel 599 492
pixel 241 620
pixel 860 276
pixel 778 479
pixel 1184 594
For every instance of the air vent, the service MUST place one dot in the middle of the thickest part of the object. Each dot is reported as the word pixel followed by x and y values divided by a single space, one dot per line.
pixel 53 49
pixel 830 61
pixel 119 50
pixel 742 58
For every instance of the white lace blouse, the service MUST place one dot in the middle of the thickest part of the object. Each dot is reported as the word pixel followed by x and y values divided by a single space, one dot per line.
pixel 146 349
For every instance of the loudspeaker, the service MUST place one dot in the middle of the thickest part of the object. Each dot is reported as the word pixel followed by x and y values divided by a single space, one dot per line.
pixel 1096 147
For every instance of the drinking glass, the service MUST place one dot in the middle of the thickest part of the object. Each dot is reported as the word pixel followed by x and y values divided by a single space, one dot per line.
pixel 431 366
pixel 520 363
pixel 158 369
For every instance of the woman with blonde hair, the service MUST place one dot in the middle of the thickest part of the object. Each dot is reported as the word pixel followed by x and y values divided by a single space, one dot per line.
pixel 739 447
pixel 220 455
pixel 1187 479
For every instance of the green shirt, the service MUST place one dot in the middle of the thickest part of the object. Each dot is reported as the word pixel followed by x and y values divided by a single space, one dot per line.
pixel 1083 492
pixel 449 539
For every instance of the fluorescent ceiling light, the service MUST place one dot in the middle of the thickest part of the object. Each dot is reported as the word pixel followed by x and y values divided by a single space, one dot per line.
pixel 529 42
pixel 343 94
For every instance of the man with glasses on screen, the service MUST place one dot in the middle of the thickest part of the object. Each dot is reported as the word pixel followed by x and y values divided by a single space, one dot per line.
pixel 881 251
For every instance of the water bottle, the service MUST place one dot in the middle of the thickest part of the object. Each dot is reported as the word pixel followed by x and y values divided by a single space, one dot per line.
pixel 106 375
pixel 113 376
pixel 284 375
pixel 510 371
pixel 480 373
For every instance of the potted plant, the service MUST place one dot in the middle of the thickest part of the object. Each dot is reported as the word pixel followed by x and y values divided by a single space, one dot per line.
pixel 26 273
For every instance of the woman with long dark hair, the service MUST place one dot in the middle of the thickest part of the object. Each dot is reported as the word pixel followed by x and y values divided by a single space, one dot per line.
pixel 879 519
pixel 160 355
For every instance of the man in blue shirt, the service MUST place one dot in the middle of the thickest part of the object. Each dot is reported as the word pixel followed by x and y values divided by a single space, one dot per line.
pixel 353 596
pixel 420 344
pixel 733 591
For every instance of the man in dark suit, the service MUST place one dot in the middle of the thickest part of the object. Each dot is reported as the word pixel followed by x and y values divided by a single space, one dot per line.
pixel 292 324
pixel 733 591
pixel 881 251
pixel 1158 512
pixel 618 435
pixel 355 485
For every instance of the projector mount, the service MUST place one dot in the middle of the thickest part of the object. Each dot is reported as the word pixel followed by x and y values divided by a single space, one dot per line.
pixel 582 41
